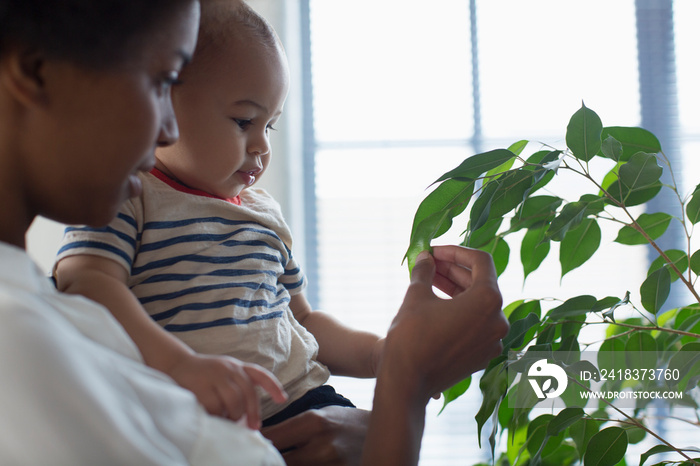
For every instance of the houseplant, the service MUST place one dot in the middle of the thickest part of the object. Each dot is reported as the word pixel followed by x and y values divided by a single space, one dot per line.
pixel 504 193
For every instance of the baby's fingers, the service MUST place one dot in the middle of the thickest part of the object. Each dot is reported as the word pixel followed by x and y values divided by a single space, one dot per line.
pixel 268 382
pixel 240 398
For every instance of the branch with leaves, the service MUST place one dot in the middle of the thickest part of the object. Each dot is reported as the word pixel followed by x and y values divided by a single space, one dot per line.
pixel 501 192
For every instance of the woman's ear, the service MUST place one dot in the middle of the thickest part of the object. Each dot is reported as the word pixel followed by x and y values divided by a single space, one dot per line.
pixel 21 72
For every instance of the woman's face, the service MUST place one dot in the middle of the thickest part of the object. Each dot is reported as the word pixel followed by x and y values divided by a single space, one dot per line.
pixel 98 128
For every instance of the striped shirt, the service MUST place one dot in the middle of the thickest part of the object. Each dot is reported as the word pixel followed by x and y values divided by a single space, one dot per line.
pixel 219 276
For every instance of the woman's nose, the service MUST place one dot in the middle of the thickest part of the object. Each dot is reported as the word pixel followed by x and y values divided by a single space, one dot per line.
pixel 169 132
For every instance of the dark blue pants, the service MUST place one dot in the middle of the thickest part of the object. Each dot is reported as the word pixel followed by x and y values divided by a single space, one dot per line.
pixel 317 398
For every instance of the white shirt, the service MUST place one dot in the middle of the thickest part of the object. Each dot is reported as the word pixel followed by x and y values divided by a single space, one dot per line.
pixel 74 390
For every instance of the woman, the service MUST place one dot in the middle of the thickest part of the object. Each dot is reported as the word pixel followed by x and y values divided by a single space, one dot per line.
pixel 84 100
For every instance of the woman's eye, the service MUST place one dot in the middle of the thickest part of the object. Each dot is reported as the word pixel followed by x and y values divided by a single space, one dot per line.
pixel 243 124
pixel 169 80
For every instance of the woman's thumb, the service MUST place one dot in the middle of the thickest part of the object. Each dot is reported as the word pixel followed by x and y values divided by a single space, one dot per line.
pixel 424 269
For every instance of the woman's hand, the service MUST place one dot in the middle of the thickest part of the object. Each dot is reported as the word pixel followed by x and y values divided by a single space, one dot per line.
pixel 437 342
pixel 333 435
pixel 225 386
pixel 432 344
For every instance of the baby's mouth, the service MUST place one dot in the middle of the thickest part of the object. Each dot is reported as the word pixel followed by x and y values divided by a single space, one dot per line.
pixel 248 176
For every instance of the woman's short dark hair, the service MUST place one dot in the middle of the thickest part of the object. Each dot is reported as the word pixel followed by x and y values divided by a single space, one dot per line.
pixel 93 33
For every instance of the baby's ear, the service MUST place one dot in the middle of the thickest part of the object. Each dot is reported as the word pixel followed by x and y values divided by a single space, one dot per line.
pixel 21 71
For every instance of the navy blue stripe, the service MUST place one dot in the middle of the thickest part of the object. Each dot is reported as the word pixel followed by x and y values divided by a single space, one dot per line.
pixel 244 303
pixel 128 219
pixel 105 230
pixel 183 277
pixel 203 260
pixel 291 286
pixel 201 289
pixel 191 221
pixel 196 238
pixel 221 322
pixel 96 245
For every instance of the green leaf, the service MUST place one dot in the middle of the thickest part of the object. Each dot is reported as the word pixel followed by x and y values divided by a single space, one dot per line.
pixel 536 163
pixel 610 304
pixel 595 204
pixel 678 258
pixel 516 148
pixel 640 351
pixel 633 140
pixel 512 189
pixel 687 362
pixel 476 165
pixel 655 450
pixel 485 234
pixel 640 171
pixel 583 134
pixel 579 245
pixel 636 434
pixel 564 419
pixel 493 385
pixel 518 330
pixel 569 217
pixel 500 252
pixel 581 433
pixel 692 209
pixel 434 215
pixel 481 210
pixel 655 290
pixel 633 196
pixel 539 442
pixel 611 148
pixel 499 196
pixel 454 392
pixel 654 225
pixel 535 210
pixel 576 306
pixel 695 262
pixel 534 249
pixel 523 309
pixel 606 448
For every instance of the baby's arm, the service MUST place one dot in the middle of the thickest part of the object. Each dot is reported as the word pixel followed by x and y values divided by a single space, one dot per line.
pixel 344 350
pixel 224 385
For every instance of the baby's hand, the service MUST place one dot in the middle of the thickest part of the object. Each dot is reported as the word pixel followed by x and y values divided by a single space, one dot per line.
pixel 226 386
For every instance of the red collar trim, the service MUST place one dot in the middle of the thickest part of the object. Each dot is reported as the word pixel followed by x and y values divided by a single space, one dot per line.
pixel 182 188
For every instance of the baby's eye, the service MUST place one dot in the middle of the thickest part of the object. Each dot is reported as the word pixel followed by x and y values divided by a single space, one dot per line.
pixel 270 128
pixel 242 123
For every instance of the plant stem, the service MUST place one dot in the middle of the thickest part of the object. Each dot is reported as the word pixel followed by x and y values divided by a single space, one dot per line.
pixel 636 328
pixel 637 227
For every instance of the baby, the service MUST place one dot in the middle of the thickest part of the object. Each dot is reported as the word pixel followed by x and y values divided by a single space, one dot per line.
pixel 207 256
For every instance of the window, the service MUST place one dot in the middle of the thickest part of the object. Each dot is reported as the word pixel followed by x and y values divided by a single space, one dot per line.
pixel 403 91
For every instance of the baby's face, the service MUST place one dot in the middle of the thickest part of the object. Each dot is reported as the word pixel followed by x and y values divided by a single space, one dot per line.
pixel 226 108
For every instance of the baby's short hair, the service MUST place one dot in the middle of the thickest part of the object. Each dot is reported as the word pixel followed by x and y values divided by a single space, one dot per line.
pixel 224 20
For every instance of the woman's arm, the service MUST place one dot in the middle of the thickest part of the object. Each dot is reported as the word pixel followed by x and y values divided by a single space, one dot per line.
pixel 224 385
pixel 344 350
